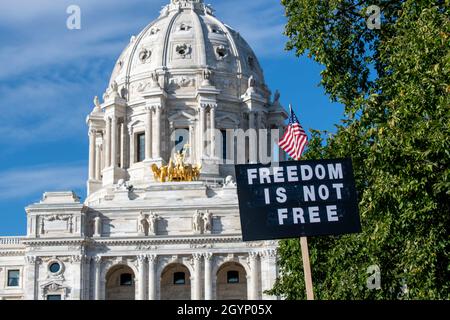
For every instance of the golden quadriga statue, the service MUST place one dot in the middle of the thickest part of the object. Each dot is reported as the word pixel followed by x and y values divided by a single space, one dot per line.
pixel 177 170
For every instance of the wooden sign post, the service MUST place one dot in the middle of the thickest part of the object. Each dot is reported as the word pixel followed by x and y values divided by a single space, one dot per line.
pixel 307 268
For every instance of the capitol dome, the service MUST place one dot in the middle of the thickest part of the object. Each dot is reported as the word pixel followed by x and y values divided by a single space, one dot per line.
pixel 184 39
pixel 183 82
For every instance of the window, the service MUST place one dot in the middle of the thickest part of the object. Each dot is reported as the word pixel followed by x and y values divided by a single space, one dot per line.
pixel 13 278
pixel 140 147
pixel 55 267
pixel 179 278
pixel 232 277
pixel 54 297
pixel 126 279
pixel 181 138
pixel 224 144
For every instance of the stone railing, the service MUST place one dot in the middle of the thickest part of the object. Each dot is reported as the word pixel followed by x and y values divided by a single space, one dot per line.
pixel 10 241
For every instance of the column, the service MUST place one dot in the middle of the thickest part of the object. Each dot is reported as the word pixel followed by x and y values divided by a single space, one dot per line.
pixel 212 113
pixel 86 278
pixel 197 289
pixel 253 147
pixel 148 134
pixel 132 147
pixel 114 142
pixel 253 292
pixel 152 258
pixel 30 277
pixel 108 143
pixel 193 153
pixel 141 281
pixel 91 155
pixel 77 262
pixel 208 276
pixel 98 163
pixel 157 135
pixel 269 272
pixel 201 136
pixel 98 282
pixel 122 146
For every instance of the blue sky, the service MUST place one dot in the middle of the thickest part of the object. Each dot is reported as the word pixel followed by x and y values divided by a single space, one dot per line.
pixel 49 76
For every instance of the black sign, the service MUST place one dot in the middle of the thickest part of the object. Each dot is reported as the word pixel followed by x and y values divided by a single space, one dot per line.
pixel 297 199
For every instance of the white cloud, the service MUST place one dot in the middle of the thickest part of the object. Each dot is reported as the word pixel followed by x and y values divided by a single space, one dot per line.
pixel 23 182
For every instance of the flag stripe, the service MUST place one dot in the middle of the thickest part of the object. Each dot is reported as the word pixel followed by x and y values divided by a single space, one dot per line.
pixel 294 139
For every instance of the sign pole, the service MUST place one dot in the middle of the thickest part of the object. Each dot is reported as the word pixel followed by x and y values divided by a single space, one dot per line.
pixel 307 268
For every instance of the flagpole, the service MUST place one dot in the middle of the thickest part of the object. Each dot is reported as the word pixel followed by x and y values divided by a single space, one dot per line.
pixel 303 240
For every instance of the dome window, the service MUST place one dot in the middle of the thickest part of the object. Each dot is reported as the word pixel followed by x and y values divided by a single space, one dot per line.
pixel 214 29
pixel 251 62
pixel 144 55
pixel 182 50
pixel 222 52
pixel 184 27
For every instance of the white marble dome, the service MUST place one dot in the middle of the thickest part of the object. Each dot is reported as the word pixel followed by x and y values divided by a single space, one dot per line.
pixel 181 43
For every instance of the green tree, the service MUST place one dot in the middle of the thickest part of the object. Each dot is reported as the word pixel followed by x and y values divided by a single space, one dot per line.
pixel 394 84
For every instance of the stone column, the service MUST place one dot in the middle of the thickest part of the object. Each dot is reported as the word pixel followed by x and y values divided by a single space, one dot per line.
pixel 148 134
pixel 92 154
pixel 77 276
pixel 30 277
pixel 141 281
pixel 122 146
pixel 253 139
pixel 208 276
pixel 253 292
pixel 152 258
pixel 196 286
pixel 201 136
pixel 86 278
pixel 114 142
pixel 212 113
pixel 108 143
pixel 157 135
pixel 269 272
pixel 98 280
pixel 132 147
pixel 98 163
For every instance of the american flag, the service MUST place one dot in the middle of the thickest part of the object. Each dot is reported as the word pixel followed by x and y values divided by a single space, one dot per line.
pixel 295 139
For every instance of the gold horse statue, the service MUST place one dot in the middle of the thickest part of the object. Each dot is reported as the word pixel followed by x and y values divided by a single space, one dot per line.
pixel 177 170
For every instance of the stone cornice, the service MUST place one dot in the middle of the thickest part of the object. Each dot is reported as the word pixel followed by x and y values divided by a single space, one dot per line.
pixel 134 241
pixel 11 253
pixel 168 240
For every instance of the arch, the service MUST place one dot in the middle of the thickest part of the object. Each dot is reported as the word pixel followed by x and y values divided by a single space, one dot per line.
pixel 231 281
pixel 172 288
pixel 120 283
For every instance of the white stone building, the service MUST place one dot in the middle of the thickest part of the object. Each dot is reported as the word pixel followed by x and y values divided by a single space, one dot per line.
pixel 137 238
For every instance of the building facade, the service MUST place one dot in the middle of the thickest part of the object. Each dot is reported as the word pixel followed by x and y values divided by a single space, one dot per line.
pixel 187 83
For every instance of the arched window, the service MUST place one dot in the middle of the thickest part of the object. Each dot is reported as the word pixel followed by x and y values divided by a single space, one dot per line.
pixel 126 279
pixel 179 278
pixel 233 277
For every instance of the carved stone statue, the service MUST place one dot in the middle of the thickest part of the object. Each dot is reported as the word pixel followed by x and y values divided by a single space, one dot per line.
pixel 152 220
pixel 251 82
pixel 229 182
pixel 197 222
pixel 276 97
pixel 142 223
pixel 207 73
pixel 207 222
pixel 155 80
pixel 97 104
pixel 97 226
